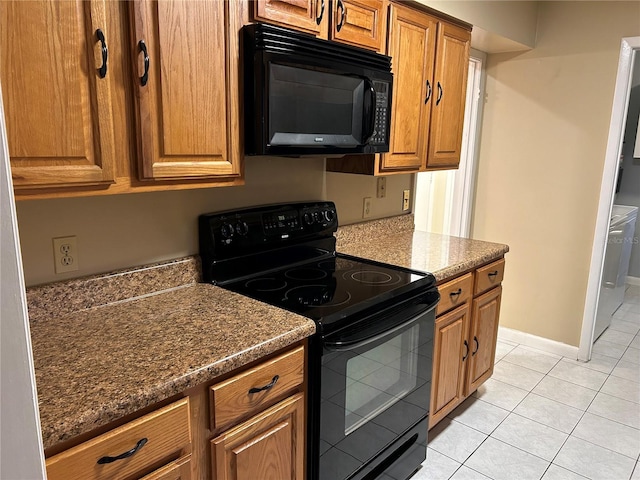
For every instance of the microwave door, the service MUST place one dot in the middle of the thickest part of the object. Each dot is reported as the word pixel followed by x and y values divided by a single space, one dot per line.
pixel 368 112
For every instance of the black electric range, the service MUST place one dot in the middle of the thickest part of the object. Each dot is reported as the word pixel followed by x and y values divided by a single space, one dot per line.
pixel 371 317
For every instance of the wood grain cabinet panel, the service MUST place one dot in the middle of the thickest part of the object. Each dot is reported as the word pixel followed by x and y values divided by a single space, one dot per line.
pixel 412 38
pixel 309 16
pixel 489 276
pixel 483 337
pixel 269 446
pixel 165 432
pixel 451 350
pixel 178 470
pixel 57 106
pixel 188 103
pixel 361 23
pixel 232 399
pixel 448 104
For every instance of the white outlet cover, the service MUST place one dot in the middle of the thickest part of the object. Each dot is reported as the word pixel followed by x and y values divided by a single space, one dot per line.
pixel 65 254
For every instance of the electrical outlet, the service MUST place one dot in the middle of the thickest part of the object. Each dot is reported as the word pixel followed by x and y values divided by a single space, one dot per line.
pixel 382 187
pixel 65 254
pixel 406 195
pixel 366 207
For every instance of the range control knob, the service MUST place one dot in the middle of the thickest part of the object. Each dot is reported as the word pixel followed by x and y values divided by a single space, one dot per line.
pixel 242 228
pixel 226 230
pixel 308 218
pixel 329 215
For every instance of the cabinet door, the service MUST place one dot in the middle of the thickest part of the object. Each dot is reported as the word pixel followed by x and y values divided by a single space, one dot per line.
pixel 187 104
pixel 310 16
pixel 57 107
pixel 412 37
pixel 450 353
pixel 447 108
pixel 269 446
pixel 483 337
pixel 361 23
pixel 178 470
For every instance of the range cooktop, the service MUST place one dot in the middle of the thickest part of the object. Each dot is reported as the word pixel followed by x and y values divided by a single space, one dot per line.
pixel 322 288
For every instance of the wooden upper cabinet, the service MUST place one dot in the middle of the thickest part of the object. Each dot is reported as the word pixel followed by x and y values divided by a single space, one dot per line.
pixel 361 23
pixel 188 101
pixel 412 37
pixel 57 107
pixel 310 16
pixel 449 97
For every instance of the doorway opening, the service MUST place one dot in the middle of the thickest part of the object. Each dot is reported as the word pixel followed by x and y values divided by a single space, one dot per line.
pixel 629 52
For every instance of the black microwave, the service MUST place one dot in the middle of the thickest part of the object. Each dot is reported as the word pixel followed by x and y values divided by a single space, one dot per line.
pixel 306 96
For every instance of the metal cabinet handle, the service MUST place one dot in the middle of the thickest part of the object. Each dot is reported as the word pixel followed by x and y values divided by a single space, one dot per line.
pixel 466 352
pixel 493 274
pixel 145 75
pixel 475 339
pixel 141 443
pixel 268 386
pixel 102 71
pixel 428 92
pixel 342 13
pixel 319 18
pixel 439 94
pixel 455 294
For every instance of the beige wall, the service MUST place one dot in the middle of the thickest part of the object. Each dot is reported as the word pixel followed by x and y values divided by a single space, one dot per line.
pixel 543 143
pixel 499 26
pixel 348 192
pixel 121 231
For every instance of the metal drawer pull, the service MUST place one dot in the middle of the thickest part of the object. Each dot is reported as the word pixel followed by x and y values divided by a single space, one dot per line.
pixel 145 75
pixel 466 353
pixel 342 12
pixel 428 92
pixel 102 71
pixel 319 18
pixel 493 274
pixel 439 94
pixel 475 339
pixel 268 386
pixel 141 443
pixel 455 294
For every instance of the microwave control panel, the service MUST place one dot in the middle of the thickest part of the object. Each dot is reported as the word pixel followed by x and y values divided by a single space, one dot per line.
pixel 383 110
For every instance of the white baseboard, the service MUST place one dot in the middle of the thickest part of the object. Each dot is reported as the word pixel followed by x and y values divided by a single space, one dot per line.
pixel 541 343
pixel 633 281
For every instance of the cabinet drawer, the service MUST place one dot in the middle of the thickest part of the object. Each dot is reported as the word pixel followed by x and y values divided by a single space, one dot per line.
pixel 167 431
pixel 489 276
pixel 232 399
pixel 454 293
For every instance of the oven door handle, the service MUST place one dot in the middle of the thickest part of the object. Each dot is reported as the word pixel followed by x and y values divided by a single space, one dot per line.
pixel 366 337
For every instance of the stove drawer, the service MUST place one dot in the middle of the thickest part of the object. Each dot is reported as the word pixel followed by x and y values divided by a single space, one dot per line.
pixel 454 293
pixel 252 390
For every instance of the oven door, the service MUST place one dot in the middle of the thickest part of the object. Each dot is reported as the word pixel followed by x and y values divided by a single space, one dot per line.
pixel 375 387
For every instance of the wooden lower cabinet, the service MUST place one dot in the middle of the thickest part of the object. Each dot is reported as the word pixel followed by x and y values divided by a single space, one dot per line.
pixel 448 380
pixel 465 339
pixel 178 470
pixel 483 337
pixel 269 446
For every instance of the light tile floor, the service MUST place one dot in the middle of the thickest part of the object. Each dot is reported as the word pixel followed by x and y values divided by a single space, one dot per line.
pixel 542 416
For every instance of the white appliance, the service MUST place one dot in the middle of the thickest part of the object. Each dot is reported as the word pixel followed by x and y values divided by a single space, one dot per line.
pixel 616 264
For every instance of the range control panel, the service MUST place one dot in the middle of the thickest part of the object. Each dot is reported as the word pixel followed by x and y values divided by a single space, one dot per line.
pixel 227 234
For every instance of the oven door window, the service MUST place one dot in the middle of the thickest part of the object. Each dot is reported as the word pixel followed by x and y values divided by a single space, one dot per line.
pixel 312 108
pixel 373 392
pixel 380 377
